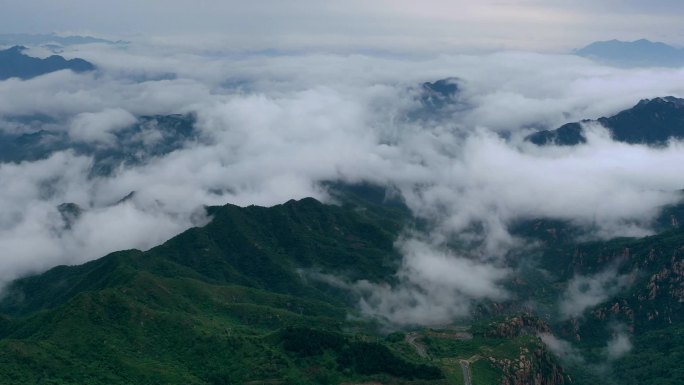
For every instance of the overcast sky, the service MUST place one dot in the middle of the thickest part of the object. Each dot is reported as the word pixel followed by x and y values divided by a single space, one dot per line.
pixel 430 25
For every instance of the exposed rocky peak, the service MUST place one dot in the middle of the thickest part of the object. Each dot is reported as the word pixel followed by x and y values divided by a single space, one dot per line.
pixel 534 365
pixel 516 325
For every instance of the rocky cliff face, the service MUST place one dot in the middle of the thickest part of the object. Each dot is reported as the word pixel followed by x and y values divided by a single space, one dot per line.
pixel 533 363
pixel 533 366
pixel 517 325
pixel 653 297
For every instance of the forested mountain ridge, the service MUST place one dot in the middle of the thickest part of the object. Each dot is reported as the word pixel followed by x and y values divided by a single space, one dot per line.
pixel 226 303
pixel 651 121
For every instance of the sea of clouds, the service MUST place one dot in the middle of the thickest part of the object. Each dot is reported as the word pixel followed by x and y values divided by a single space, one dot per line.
pixel 274 127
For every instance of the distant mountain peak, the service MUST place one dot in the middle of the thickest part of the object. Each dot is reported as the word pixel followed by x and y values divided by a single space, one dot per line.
pixel 51 39
pixel 440 93
pixel 14 63
pixel 637 53
pixel 447 87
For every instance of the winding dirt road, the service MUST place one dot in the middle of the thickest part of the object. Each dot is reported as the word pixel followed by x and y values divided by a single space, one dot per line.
pixel 456 333
pixel 412 339
pixel 465 367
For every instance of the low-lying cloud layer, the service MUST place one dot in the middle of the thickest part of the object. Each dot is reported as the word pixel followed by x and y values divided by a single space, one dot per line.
pixel 435 287
pixel 585 292
pixel 274 127
pixel 620 343
pixel 561 348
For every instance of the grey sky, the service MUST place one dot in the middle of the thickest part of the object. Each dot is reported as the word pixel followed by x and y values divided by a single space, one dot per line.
pixel 432 25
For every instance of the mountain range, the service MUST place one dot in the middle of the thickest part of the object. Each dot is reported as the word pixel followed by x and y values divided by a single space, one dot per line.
pixel 50 39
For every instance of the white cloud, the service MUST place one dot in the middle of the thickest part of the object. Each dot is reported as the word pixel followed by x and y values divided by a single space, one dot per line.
pixel 65 94
pixel 435 287
pixel 619 345
pixel 562 348
pixel 99 127
pixel 584 292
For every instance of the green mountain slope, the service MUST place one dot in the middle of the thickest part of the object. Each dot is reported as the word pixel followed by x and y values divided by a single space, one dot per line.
pixel 253 246
pixel 232 303
pixel 214 305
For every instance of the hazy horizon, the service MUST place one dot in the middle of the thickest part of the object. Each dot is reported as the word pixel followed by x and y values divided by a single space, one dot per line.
pixel 397 26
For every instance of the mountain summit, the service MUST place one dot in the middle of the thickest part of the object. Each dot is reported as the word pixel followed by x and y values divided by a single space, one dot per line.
pixel 651 121
pixel 15 63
